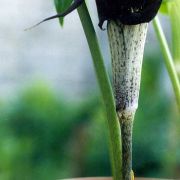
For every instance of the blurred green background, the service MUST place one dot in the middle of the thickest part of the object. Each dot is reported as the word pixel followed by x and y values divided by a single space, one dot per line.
pixel 44 136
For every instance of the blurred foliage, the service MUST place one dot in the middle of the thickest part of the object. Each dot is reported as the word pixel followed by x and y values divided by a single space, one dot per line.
pixel 44 137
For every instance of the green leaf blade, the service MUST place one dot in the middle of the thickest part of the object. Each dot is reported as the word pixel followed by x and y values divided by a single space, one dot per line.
pixel 61 6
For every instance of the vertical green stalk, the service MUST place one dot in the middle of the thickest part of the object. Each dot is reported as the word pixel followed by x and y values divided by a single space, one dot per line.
pixel 106 91
pixel 168 60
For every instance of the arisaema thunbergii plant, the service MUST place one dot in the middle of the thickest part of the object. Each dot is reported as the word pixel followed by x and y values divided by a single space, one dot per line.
pixel 127 24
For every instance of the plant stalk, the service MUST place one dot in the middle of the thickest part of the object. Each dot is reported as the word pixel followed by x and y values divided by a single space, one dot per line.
pixel 168 60
pixel 106 91
pixel 127 48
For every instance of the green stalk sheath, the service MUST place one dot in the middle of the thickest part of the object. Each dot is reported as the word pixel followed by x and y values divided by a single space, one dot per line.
pixel 106 91
pixel 127 48
pixel 168 60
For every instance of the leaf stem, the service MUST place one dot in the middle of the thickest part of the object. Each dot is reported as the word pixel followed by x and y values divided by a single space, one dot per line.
pixel 106 91
pixel 168 59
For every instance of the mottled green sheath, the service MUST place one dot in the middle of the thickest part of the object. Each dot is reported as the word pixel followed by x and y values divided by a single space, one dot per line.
pixel 127 48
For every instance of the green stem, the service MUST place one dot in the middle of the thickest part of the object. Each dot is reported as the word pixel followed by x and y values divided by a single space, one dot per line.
pixel 106 91
pixel 168 60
